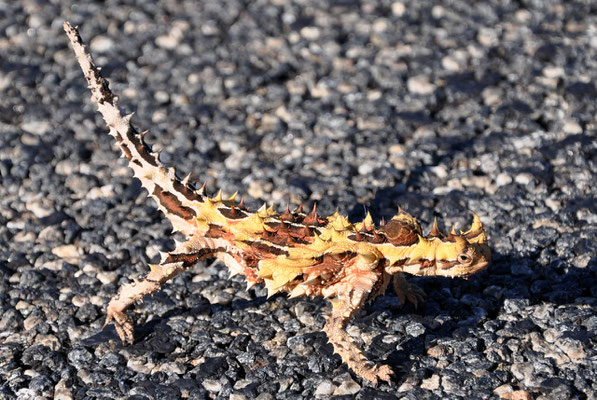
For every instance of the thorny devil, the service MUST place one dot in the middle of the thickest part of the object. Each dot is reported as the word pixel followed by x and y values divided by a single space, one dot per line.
pixel 297 253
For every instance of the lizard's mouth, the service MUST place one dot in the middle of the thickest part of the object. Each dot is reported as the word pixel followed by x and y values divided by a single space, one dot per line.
pixel 474 269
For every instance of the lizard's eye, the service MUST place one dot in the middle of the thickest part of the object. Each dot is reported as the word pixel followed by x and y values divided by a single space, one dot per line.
pixel 464 258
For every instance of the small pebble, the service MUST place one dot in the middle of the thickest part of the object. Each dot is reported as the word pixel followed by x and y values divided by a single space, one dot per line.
pixel 420 85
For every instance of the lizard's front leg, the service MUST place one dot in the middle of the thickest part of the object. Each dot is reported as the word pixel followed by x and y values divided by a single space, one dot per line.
pixel 407 291
pixel 345 306
pixel 184 256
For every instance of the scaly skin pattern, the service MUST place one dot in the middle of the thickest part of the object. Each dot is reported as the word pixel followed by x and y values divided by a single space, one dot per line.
pixel 298 253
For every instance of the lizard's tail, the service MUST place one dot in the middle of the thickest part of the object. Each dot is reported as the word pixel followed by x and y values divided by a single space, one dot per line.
pixel 176 198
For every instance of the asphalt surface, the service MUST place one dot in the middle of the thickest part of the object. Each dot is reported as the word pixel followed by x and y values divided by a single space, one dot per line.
pixel 439 107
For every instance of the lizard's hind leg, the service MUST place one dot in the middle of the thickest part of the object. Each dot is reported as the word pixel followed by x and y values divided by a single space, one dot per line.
pixel 183 257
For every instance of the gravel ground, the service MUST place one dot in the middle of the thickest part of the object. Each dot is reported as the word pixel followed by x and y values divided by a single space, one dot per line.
pixel 441 107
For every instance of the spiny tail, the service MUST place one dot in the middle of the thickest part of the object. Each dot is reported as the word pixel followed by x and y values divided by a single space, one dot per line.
pixel 176 198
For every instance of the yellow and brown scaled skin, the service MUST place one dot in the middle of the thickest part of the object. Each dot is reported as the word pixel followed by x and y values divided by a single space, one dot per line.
pixel 298 253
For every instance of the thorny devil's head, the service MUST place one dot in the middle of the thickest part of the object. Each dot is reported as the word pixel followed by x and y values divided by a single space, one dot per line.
pixel 453 255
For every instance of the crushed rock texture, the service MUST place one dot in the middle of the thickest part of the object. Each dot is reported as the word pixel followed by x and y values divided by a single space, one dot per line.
pixel 439 107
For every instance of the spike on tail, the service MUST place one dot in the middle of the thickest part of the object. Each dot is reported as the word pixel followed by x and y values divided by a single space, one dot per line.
pixel 161 183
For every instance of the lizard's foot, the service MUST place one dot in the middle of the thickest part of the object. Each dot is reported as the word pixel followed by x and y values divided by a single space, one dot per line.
pixel 123 324
pixel 375 372
pixel 408 291
pixel 413 294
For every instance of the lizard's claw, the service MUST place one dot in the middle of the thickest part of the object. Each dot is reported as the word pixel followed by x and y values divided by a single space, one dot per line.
pixel 408 291
pixel 122 323
pixel 378 372
pixel 385 373
pixel 413 294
